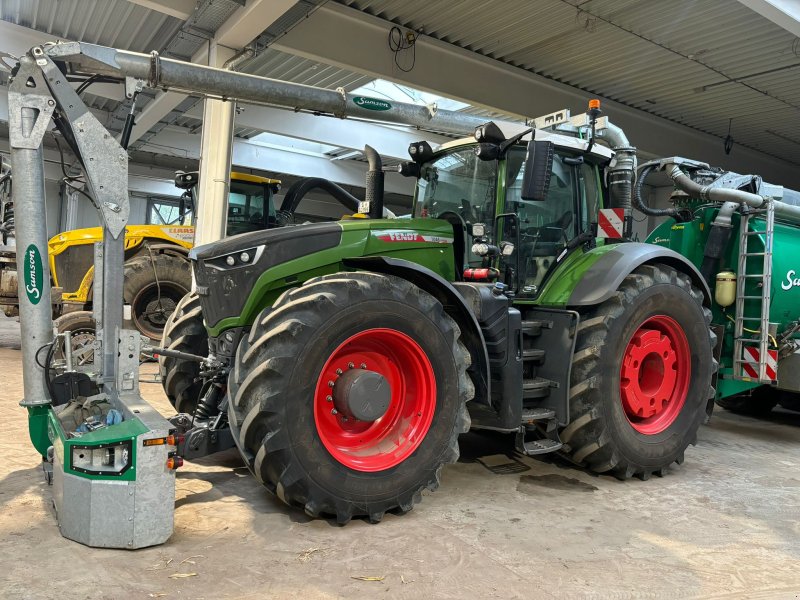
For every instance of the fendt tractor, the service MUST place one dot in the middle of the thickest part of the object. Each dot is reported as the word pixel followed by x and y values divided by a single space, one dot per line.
pixel 345 359
pixel 730 225
pixel 156 264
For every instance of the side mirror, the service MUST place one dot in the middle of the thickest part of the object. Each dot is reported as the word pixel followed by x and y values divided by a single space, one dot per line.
pixel 538 169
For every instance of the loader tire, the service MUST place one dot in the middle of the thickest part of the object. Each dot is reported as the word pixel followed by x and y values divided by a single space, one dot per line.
pixel 184 332
pixel 348 396
pixel 81 325
pixel 154 284
pixel 641 375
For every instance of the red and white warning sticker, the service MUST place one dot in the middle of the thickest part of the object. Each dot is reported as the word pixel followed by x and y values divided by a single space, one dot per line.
pixel 410 236
pixel 611 223
pixel 750 365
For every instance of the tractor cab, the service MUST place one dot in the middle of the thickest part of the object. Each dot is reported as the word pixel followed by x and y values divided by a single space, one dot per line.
pixel 250 202
pixel 520 204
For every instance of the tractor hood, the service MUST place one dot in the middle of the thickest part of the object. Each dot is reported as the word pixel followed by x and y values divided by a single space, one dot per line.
pixel 226 271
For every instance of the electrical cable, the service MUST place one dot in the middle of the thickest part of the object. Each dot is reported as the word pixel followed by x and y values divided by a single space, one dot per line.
pixel 771 337
pixel 399 42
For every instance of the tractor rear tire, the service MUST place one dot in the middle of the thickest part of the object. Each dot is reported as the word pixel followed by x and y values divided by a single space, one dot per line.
pixel 641 375
pixel 287 371
pixel 154 284
pixel 758 403
pixel 184 332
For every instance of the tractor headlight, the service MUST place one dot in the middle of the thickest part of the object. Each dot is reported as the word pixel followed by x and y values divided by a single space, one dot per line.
pixel 101 459
pixel 234 260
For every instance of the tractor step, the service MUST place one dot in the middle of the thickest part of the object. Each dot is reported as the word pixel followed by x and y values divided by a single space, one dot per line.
pixel 531 415
pixel 533 447
pixel 535 354
pixel 534 327
pixel 535 388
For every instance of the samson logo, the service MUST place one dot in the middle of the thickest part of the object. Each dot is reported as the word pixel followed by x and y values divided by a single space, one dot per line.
pixel 371 103
pixel 791 280
pixel 32 274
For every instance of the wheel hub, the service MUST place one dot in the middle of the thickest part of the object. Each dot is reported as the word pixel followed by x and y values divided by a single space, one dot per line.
pixel 648 373
pixel 375 399
pixel 362 395
pixel 654 376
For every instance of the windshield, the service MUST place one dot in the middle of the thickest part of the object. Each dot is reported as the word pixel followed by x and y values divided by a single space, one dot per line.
pixel 249 207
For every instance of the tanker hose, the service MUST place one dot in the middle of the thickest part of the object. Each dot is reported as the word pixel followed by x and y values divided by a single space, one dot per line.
pixel 374 193
pixel 677 213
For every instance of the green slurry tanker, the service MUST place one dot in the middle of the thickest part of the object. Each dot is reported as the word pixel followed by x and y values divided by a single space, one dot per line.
pixel 741 232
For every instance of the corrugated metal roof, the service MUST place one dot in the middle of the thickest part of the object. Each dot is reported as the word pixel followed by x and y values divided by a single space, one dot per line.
pixel 700 63
pixel 287 67
pixel 115 23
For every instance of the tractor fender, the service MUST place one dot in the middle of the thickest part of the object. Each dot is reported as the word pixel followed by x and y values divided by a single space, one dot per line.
pixel 164 248
pixel 604 277
pixel 453 303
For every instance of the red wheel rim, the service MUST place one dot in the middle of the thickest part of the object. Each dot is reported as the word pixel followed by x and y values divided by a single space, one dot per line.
pixel 389 440
pixel 655 372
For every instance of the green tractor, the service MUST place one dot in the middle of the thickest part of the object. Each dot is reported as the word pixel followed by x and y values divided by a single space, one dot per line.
pixel 345 359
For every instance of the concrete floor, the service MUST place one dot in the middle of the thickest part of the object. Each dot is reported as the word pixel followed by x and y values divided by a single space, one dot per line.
pixel 725 524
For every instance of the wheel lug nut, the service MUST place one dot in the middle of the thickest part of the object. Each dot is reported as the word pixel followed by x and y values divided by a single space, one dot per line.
pixel 334 412
pixel 363 365
pixel 330 384
pixel 350 365
pixel 329 398
pixel 338 371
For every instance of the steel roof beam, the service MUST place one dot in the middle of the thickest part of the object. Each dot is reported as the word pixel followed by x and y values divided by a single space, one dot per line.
pixel 273 159
pixel 784 13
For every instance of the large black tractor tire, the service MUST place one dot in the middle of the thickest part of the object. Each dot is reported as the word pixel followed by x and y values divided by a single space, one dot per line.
pixel 758 402
pixel 154 284
pixel 184 332
pixel 303 355
pixel 641 375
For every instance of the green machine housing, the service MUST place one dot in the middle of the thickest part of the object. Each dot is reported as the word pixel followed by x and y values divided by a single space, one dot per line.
pixel 748 255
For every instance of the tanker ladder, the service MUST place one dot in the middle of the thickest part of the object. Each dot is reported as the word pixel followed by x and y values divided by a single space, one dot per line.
pixel 747 339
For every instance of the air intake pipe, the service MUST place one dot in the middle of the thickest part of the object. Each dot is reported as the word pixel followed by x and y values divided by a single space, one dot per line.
pixel 375 175
pixel 620 176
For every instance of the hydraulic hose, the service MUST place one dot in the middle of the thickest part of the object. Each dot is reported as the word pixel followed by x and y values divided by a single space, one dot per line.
pixel 301 187
pixel 640 204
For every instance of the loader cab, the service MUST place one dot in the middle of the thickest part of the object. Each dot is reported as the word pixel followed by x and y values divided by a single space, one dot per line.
pixel 251 205
pixel 521 239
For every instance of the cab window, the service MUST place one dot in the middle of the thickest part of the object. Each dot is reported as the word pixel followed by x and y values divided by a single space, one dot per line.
pixel 458 187
pixel 546 226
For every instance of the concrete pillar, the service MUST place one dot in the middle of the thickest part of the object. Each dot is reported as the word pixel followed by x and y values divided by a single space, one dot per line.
pixel 215 160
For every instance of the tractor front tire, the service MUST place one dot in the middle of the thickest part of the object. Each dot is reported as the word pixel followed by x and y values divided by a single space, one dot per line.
pixel 641 375
pixel 348 396
pixel 183 332
pixel 154 284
